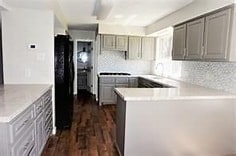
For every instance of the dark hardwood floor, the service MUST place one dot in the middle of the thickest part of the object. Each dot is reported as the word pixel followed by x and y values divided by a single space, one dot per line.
pixel 92 132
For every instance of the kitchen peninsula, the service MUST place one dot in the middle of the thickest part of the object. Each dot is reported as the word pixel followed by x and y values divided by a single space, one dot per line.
pixel 25 119
pixel 183 120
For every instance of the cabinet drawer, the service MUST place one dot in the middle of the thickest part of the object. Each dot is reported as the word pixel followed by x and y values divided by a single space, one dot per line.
pixel 21 124
pixel 38 106
pixel 47 97
pixel 48 111
pixel 48 129
pixel 107 80
pixel 26 145
pixel 47 118
pixel 122 85
pixel 122 80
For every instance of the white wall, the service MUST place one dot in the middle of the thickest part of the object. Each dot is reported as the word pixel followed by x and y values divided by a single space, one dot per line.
pixel 82 35
pixel 21 27
pixel 198 7
pixel 121 30
pixel 59 16
pixel 216 75
pixel 59 31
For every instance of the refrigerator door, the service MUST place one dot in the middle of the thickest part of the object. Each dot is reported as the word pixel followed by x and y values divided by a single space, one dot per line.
pixel 63 82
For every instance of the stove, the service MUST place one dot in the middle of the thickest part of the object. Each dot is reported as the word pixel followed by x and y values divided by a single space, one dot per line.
pixel 108 73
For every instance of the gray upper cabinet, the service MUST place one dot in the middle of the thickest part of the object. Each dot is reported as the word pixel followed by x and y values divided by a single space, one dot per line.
pixel 207 38
pixel 148 48
pixel 135 48
pixel 194 40
pixel 217 35
pixel 109 42
pixel 122 43
pixel 141 48
pixel 114 42
pixel 179 41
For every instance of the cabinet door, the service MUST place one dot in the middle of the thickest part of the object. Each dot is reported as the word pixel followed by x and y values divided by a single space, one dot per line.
pixel 108 42
pixel 134 50
pixel 133 82
pixel 122 43
pixel 122 80
pixel 108 94
pixel 194 42
pixel 39 133
pixel 217 30
pixel 148 48
pixel 26 144
pixel 179 40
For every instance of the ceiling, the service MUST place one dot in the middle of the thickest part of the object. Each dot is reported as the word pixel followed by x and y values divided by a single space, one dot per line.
pixel 85 14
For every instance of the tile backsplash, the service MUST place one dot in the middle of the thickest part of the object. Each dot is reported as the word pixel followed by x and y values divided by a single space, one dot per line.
pixel 114 61
pixel 217 75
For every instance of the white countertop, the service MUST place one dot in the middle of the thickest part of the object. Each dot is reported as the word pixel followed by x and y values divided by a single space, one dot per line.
pixel 118 75
pixel 180 91
pixel 14 99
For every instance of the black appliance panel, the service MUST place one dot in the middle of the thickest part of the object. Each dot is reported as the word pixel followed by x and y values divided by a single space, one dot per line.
pixel 64 77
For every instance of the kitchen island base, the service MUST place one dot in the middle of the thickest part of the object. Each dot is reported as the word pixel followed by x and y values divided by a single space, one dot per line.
pixel 203 127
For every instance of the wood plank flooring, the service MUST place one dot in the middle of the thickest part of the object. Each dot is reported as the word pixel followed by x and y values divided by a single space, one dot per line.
pixel 92 132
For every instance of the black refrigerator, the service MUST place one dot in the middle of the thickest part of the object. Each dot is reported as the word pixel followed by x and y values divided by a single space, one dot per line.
pixel 64 78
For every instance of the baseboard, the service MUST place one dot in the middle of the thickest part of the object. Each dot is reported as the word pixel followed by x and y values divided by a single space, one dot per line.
pixel 54 131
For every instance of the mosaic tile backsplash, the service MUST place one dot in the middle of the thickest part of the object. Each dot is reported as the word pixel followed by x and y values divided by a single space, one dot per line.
pixel 216 75
pixel 114 61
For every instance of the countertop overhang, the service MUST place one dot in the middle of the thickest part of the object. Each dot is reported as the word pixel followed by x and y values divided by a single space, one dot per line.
pixel 180 91
pixel 14 99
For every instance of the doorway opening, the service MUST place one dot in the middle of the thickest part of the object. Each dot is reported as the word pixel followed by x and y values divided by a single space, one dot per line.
pixel 84 67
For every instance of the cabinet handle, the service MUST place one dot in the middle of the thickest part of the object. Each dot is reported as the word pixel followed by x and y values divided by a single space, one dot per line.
pixel 26 146
pixel 23 124
pixel 185 52
pixel 202 52
pixel 39 108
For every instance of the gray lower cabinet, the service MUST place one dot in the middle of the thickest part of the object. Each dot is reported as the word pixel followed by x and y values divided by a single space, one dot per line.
pixel 107 93
pixel 39 123
pixel 25 146
pixel 26 134
pixel 108 84
pixel 133 82
pixel 120 125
